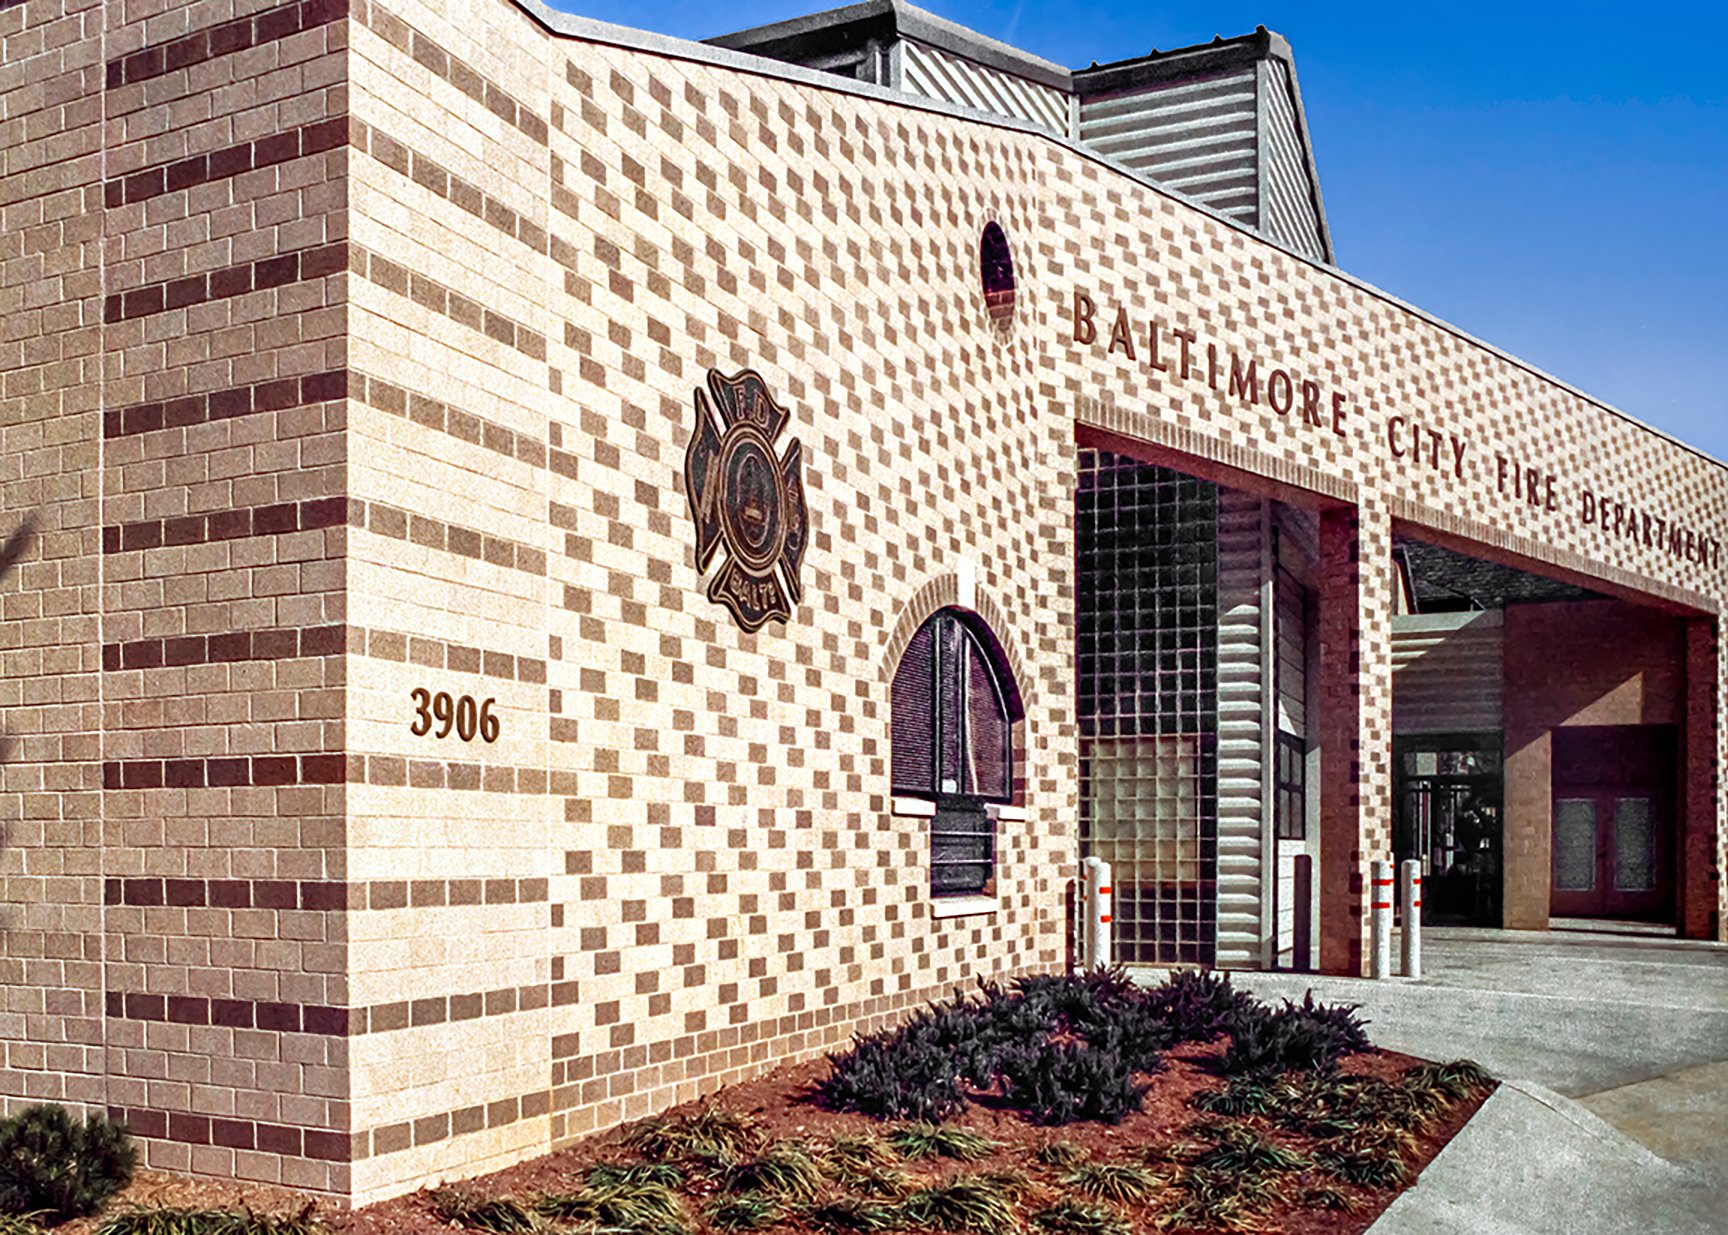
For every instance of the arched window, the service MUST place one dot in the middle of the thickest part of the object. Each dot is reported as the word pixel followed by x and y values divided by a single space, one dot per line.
pixel 954 708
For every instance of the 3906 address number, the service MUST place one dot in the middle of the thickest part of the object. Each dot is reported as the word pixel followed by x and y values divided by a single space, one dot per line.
pixel 467 718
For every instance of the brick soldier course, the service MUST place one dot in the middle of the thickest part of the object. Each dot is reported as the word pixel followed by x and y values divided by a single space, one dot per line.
pixel 349 352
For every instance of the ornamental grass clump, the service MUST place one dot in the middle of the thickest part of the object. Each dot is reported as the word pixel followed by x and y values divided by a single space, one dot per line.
pixel 785 1168
pixel 177 1221
pixel 477 1213
pixel 963 1203
pixel 923 1140
pixel 708 1141
pixel 1122 1182
pixel 57 1168
pixel 751 1212
pixel 853 1213
pixel 636 1208
pixel 1071 1217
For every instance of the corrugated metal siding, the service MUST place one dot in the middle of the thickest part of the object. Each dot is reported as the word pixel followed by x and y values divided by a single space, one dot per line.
pixel 1288 209
pixel 1198 137
pixel 937 74
pixel 1244 533
pixel 1447 673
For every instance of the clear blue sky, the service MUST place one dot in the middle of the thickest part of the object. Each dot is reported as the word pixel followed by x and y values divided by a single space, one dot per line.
pixel 1551 178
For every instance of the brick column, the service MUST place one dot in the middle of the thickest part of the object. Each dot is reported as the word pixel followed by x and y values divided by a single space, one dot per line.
pixel 1355 725
pixel 1700 885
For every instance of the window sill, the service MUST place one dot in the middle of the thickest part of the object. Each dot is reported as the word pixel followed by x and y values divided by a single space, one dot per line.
pixel 963 906
pixel 914 808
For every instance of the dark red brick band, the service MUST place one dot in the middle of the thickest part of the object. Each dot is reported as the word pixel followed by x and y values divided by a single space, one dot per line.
pixel 281 1139
pixel 226 283
pixel 226 648
pixel 320 894
pixel 239 524
pixel 230 161
pixel 225 772
pixel 224 39
pixel 185 411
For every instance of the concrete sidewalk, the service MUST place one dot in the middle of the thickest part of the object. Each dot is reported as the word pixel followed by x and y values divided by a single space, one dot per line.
pixel 1614 1048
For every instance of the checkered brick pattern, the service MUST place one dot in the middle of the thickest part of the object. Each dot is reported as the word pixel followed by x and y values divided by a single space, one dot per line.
pixel 349 349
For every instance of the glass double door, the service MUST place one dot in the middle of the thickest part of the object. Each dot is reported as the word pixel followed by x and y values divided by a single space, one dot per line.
pixel 1610 854
pixel 1614 808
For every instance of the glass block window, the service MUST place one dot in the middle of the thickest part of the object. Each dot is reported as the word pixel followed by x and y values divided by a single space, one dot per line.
pixel 952 742
pixel 1147 641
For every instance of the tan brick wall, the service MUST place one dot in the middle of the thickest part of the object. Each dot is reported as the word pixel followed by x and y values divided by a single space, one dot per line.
pixel 378 376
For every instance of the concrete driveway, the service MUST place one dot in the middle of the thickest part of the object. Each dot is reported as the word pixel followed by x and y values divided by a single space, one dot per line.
pixel 1614 1050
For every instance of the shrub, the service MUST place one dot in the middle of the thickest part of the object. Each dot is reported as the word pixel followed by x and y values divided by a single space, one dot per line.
pixel 890 1076
pixel 1062 1082
pixel 1240 1150
pixel 1198 1005
pixel 1306 1036
pixel 59 1168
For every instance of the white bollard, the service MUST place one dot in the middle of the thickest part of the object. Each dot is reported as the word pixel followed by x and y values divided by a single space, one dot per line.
pixel 1097 881
pixel 1380 905
pixel 1410 896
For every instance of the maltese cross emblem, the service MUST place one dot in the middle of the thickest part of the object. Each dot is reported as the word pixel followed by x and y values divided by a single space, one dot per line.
pixel 746 498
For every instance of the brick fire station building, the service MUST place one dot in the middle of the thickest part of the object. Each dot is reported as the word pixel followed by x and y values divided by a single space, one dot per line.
pixel 574 566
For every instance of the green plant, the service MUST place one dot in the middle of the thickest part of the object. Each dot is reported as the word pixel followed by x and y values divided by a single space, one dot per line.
pixel 1059 1153
pixel 1211 1198
pixel 923 1140
pixel 1249 1094
pixel 1062 1082
pixel 476 1213
pixel 1113 1181
pixel 1239 1149
pixel 711 1137
pixel 171 1221
pixel 1371 1158
pixel 787 1168
pixel 751 1212
pixel 1069 1217
pixel 861 1152
pixel 852 1213
pixel 646 1208
pixel 61 1168
pixel 965 1203
pixel 1321 1196
pixel 614 1174
pixel 1458 1080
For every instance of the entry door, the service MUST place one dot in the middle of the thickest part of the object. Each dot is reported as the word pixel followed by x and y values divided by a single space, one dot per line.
pixel 1611 854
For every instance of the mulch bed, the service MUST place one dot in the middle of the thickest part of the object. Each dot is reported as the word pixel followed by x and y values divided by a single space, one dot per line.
pixel 781 1102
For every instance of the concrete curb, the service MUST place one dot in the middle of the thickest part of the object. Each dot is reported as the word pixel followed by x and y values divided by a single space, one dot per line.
pixel 1532 1162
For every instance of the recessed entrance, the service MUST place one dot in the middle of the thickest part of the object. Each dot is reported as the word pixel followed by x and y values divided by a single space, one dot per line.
pixel 1614 822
